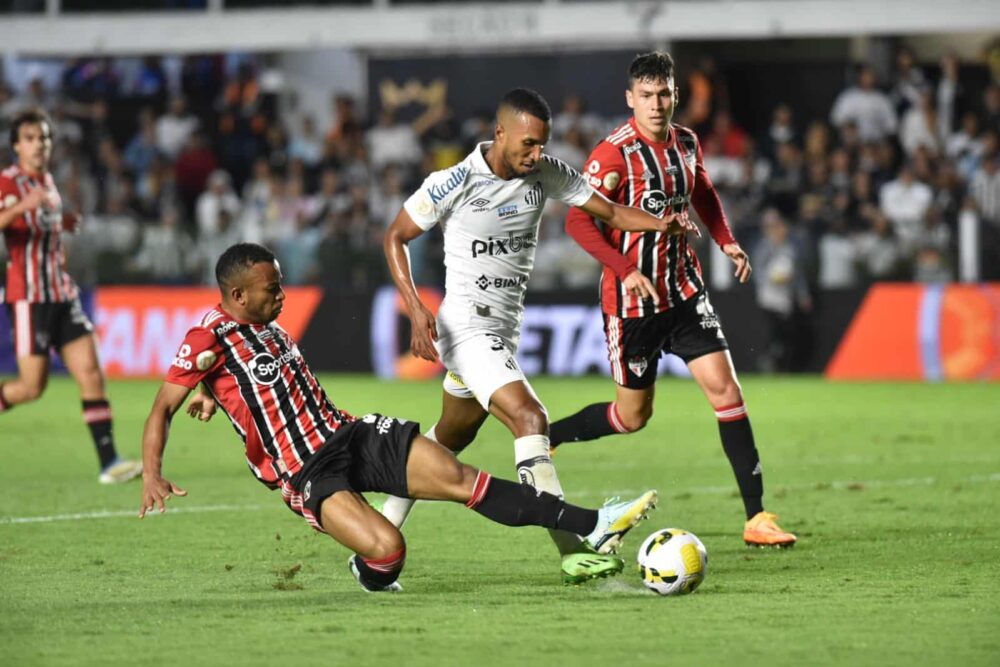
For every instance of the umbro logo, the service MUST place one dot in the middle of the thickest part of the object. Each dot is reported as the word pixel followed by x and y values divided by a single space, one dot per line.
pixel 481 202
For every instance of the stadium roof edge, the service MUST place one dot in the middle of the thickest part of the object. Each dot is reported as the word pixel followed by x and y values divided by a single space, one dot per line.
pixel 484 27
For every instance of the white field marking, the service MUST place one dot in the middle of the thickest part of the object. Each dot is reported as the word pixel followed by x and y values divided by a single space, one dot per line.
pixel 694 490
pixel 133 513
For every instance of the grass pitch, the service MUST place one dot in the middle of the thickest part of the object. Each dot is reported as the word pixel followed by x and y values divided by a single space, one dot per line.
pixel 894 490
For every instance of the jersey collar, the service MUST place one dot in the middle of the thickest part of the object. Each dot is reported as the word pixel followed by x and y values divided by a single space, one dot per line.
pixel 658 144
pixel 479 164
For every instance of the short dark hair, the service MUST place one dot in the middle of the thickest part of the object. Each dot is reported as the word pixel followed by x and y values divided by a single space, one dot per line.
pixel 654 66
pixel 525 100
pixel 33 116
pixel 237 259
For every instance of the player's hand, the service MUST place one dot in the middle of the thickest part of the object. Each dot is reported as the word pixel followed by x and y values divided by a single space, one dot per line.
pixel 741 259
pixel 35 198
pixel 423 333
pixel 682 224
pixel 155 492
pixel 639 285
pixel 71 222
pixel 201 407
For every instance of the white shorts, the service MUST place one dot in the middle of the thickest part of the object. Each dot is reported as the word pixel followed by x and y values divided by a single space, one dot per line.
pixel 480 365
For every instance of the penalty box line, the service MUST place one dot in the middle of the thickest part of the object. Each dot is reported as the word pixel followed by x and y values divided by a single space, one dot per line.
pixel 698 490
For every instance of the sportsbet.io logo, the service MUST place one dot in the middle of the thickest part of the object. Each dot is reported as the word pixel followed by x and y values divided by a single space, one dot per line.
pixel 654 202
pixel 265 369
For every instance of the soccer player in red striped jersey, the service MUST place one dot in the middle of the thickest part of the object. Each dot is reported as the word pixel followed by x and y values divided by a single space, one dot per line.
pixel 41 298
pixel 320 457
pixel 653 294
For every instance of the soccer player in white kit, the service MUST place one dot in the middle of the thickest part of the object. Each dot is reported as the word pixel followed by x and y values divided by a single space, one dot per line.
pixel 488 207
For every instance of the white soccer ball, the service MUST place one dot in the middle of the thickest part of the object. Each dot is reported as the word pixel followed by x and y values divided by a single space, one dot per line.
pixel 672 562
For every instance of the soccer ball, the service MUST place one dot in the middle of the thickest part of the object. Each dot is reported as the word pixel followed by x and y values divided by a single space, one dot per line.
pixel 672 562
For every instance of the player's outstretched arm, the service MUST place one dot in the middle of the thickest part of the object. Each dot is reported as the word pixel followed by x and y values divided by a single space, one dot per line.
pixel 202 405
pixel 423 325
pixel 155 489
pixel 629 219
pixel 581 228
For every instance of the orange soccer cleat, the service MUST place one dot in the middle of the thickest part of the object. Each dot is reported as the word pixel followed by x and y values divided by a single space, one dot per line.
pixel 763 531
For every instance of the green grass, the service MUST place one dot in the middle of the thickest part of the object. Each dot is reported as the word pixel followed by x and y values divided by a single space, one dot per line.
pixel 894 490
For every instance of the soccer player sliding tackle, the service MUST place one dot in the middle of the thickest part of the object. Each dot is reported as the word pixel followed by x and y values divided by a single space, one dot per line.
pixel 489 206
pixel 320 457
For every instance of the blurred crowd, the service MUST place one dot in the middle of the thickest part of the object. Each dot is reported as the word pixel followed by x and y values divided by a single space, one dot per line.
pixel 170 166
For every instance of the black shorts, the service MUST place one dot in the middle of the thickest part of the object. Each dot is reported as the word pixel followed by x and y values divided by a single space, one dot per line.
pixel 38 327
pixel 689 330
pixel 366 455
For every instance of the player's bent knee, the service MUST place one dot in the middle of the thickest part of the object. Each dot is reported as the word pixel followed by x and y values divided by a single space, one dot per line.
pixel 636 420
pixel 725 395
pixel 32 391
pixel 385 544
pixel 532 419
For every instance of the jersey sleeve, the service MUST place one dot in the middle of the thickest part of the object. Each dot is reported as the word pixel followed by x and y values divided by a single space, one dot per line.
pixel 9 197
pixel 433 199
pixel 607 173
pixel 585 231
pixel 565 183
pixel 198 357
pixel 706 202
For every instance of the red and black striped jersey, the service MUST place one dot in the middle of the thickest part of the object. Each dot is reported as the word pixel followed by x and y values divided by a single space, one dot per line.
pixel 259 378
pixel 36 269
pixel 660 178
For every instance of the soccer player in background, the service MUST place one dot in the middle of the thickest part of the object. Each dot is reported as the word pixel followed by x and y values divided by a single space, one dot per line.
pixel 489 206
pixel 320 457
pixel 41 298
pixel 653 295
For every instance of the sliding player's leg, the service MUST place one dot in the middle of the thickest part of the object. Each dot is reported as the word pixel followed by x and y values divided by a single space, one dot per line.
pixel 461 418
pixel 378 546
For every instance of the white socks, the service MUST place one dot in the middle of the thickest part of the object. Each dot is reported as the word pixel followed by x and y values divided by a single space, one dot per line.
pixel 396 509
pixel 534 467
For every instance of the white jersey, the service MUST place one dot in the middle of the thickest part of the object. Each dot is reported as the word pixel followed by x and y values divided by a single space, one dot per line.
pixel 490 228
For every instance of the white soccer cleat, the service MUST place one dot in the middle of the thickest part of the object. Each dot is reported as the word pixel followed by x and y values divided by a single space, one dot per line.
pixel 394 587
pixel 122 470
pixel 615 519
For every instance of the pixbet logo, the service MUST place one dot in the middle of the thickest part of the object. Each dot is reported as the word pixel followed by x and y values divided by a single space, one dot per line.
pixel 265 369
pixel 513 243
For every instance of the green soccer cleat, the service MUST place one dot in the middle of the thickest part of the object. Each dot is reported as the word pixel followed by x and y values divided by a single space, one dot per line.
pixel 580 567
pixel 615 519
